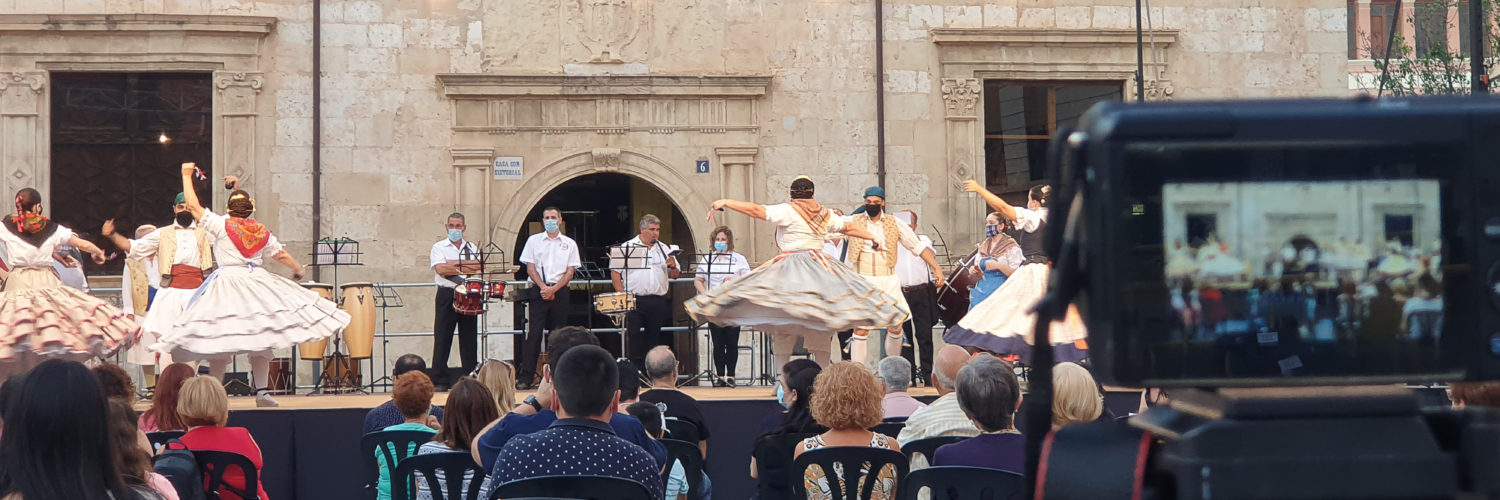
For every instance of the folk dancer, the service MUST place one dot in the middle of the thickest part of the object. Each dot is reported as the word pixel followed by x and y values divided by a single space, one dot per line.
pixel 451 259
pixel 39 316
pixel 177 256
pixel 551 258
pixel 999 256
pixel 879 267
pixel 921 296
pixel 241 308
pixel 650 287
pixel 799 293
pixel 715 269
pixel 1004 322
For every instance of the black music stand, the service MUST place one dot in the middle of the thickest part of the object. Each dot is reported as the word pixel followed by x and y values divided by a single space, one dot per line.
pixel 492 268
pixel 335 253
pixel 386 297
pixel 706 272
pixel 624 258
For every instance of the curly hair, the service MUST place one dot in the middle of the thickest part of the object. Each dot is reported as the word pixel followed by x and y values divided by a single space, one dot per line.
pixel 115 382
pixel 847 396
pixel 413 394
pixel 714 235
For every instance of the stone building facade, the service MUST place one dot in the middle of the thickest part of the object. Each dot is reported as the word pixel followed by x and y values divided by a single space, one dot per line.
pixel 419 97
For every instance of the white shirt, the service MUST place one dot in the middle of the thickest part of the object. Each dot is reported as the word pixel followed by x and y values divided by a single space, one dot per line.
pixel 225 253
pixel 444 251
pixel 144 249
pixel 724 266
pixel 552 255
pixel 653 279
pixel 19 253
pixel 1028 219
pixel 910 267
pixel 793 233
pixel 834 249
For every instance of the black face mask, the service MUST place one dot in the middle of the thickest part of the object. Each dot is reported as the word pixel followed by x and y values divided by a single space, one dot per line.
pixel 184 219
pixel 873 210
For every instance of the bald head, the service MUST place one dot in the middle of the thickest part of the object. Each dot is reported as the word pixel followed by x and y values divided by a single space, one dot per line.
pixel 661 364
pixel 950 359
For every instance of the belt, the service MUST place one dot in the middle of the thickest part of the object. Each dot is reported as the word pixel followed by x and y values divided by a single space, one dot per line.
pixel 914 288
pixel 662 296
pixel 185 277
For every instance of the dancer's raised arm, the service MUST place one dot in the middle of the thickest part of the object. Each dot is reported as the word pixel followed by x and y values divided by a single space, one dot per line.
pixel 755 210
pixel 189 194
pixel 87 247
pixel 1006 211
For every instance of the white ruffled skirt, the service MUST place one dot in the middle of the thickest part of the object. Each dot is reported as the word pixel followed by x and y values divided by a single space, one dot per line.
pixel 40 315
pixel 797 293
pixel 166 307
pixel 243 310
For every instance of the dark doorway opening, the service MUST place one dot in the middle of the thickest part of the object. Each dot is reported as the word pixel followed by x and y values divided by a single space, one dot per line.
pixel 117 142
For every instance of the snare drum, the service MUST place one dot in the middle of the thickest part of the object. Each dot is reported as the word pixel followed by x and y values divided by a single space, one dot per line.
pixel 359 302
pixel 313 350
pixel 468 299
pixel 614 303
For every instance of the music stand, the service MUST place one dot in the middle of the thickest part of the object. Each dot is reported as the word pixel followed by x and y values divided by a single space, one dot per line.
pixel 492 267
pixel 386 297
pixel 335 253
pixel 624 258
pixel 707 272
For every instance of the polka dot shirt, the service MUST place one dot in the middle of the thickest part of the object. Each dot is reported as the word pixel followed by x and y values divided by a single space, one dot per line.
pixel 576 446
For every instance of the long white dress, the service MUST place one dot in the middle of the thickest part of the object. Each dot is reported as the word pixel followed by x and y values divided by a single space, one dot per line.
pixel 40 315
pixel 242 308
pixel 170 302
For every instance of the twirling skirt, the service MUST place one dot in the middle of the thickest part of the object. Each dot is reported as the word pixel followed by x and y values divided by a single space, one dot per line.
pixel 796 293
pixel 1003 323
pixel 166 308
pixel 246 310
pixel 39 314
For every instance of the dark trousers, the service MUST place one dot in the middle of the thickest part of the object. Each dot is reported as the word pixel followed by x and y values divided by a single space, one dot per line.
pixel 923 303
pixel 844 337
pixel 442 334
pixel 643 326
pixel 542 315
pixel 726 346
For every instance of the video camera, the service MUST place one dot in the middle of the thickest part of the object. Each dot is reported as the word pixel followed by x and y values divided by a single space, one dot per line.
pixel 1283 266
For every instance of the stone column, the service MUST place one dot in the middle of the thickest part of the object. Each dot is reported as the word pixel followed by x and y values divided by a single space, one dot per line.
pixel 965 155
pixel 1453 29
pixel 471 189
pixel 1406 22
pixel 24 144
pixel 1362 29
pixel 234 127
pixel 736 177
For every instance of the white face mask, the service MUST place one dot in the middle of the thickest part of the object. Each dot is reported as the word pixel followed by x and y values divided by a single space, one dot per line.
pixel 1288 253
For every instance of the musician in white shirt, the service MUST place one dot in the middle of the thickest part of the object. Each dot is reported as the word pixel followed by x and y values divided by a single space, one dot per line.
pixel 722 265
pixel 551 258
pixel 921 298
pixel 650 287
pixel 450 259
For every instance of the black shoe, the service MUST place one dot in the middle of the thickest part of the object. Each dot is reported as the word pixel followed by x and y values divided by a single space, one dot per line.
pixel 729 382
pixel 718 382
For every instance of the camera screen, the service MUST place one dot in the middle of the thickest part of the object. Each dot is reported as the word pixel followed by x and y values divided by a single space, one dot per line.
pixel 1320 261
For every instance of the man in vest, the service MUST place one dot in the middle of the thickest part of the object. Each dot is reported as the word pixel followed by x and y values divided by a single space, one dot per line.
pixel 182 256
pixel 880 266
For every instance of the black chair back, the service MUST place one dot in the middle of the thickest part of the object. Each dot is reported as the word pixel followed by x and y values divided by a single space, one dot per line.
pixel 574 487
pixel 892 429
pixel 683 430
pixel 773 464
pixel 690 456
pixel 444 474
pixel 159 438
pixel 926 447
pixel 214 463
pixel 391 445
pixel 857 462
pixel 965 483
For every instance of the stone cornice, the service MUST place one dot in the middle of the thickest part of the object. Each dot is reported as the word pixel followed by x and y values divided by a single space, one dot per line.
pixel 489 85
pixel 1049 36
pixel 116 23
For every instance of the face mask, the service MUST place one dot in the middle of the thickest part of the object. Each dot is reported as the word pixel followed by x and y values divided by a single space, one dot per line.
pixel 781 397
pixel 721 246
pixel 454 235
pixel 873 210
pixel 991 231
pixel 1288 253
pixel 184 219
pixel 550 225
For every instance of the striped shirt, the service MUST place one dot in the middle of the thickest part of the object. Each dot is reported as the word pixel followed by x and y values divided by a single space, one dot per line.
pixel 941 418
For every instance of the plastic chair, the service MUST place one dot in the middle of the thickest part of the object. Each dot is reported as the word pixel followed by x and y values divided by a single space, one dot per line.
pixel 573 487
pixel 214 463
pixel 856 461
pixel 926 447
pixel 965 483
pixel 401 447
pixel 159 438
pixel 690 456
pixel 453 466
pixel 892 429
pixel 683 430
pixel 773 464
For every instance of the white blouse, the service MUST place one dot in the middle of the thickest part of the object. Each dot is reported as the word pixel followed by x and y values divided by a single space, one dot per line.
pixel 19 253
pixel 793 233
pixel 225 253
pixel 724 266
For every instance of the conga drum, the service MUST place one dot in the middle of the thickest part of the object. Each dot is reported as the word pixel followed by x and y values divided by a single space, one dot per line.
pixel 313 351
pixel 359 302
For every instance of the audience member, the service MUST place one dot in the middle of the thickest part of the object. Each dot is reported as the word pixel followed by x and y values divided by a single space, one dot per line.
pixel 115 383
pixel 943 417
pixel 386 414
pixel 539 411
pixel 988 394
pixel 413 397
pixel 162 416
pixel 795 392
pixel 204 407
pixel 57 443
pixel 787 394
pixel 1153 397
pixel 1075 396
pixel 1483 394
pixel 651 417
pixel 581 440
pixel 661 368
pixel 630 384
pixel 8 392
pixel 469 408
pixel 133 452
pixel 500 378
pixel 847 402
pixel 895 374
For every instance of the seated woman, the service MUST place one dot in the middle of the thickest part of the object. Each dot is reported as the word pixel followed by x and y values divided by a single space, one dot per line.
pixel 989 395
pixel 133 452
pixel 413 398
pixel 470 407
pixel 848 404
pixel 204 408
pixel 770 462
pixel 1076 398
pixel 500 378
pixel 163 413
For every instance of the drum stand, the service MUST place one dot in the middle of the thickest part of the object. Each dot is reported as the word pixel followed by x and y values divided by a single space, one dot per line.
pixel 708 369
pixel 621 259
pixel 340 374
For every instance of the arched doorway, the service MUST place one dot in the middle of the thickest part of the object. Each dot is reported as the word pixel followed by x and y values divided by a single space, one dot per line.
pixel 600 210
